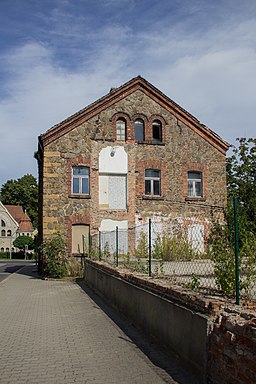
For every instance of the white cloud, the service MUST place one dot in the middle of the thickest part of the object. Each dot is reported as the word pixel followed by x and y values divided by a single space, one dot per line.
pixel 210 72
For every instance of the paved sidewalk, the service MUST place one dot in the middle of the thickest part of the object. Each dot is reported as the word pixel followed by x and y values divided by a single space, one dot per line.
pixel 54 332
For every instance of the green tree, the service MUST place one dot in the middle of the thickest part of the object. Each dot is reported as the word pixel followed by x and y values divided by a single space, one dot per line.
pixel 24 192
pixel 241 182
pixel 22 241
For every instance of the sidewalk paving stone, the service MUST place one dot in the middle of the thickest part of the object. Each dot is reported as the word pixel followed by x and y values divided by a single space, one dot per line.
pixel 60 332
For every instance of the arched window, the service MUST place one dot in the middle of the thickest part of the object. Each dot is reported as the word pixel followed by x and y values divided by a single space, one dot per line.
pixel 2 249
pixel 121 130
pixel 9 232
pixel 7 249
pixel 2 223
pixel 139 130
pixel 3 232
pixel 157 130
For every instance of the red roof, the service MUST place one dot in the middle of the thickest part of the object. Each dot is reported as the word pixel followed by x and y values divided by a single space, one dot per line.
pixel 16 211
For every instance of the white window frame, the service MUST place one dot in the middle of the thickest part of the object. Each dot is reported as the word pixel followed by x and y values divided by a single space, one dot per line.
pixel 192 192
pixel 80 178
pixel 152 180
pixel 121 130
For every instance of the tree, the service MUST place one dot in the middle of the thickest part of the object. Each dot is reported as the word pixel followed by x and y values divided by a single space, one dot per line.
pixel 241 182
pixel 24 192
pixel 22 241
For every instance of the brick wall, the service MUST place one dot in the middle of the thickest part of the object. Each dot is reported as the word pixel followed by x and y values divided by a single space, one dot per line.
pixel 232 349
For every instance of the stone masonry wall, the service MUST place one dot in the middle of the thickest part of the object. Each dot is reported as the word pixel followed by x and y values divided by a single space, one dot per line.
pixel 182 149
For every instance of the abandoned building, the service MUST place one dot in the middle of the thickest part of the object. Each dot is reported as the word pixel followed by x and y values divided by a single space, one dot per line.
pixel 132 155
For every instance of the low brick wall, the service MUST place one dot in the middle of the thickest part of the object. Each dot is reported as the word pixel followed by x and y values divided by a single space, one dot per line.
pixel 232 348
pixel 215 341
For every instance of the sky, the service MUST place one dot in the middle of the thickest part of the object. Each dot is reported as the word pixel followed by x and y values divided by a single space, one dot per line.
pixel 58 56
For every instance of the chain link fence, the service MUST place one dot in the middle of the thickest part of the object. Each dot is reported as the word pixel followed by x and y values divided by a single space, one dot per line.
pixel 180 250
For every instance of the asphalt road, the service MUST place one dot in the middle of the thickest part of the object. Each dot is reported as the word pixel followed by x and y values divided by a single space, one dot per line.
pixel 7 267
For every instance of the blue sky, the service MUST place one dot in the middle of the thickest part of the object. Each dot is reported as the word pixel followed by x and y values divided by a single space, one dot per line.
pixel 57 56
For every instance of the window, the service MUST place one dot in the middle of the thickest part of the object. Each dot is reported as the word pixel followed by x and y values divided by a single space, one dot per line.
pixel 121 130
pixel 9 232
pixel 194 184
pixel 3 232
pixel 80 181
pixel 139 130
pixel 157 130
pixel 152 182
pixel 2 249
pixel 2 223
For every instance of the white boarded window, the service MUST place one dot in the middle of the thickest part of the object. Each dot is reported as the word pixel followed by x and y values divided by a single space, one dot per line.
pixel 113 191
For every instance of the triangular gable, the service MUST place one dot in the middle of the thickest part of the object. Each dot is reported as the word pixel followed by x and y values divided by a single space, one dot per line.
pixel 4 209
pixel 117 94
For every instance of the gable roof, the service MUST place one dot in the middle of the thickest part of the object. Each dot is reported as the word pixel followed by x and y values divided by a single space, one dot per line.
pixel 4 208
pixel 23 220
pixel 117 94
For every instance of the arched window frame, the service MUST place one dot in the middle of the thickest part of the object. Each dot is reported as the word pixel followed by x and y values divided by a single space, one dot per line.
pixel 139 130
pixel 121 116
pixel 121 129
pixel 157 131
pixel 3 233
pixel 157 119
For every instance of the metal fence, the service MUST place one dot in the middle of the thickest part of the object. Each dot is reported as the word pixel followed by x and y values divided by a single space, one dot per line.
pixel 176 250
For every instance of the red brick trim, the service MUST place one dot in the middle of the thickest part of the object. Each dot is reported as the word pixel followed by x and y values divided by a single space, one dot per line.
pixel 76 162
pixel 198 167
pixel 127 119
pixel 160 118
pixel 144 118
pixel 138 83
pixel 150 164
pixel 71 220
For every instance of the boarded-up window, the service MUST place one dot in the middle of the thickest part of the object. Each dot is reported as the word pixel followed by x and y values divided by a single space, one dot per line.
pixel 113 191
pixel 80 234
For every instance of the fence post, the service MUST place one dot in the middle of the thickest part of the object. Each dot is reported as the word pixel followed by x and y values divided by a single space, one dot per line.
pixel 236 251
pixel 99 245
pixel 89 245
pixel 149 248
pixel 117 246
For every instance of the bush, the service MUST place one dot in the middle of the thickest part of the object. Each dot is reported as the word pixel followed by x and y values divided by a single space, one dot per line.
pixel 54 256
pixel 221 251
pixel 172 247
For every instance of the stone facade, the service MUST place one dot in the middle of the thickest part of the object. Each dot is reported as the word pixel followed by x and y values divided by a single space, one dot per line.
pixel 89 139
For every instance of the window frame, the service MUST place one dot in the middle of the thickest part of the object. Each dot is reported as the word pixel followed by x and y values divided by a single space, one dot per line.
pixel 158 123
pixel 142 123
pixel 152 180
pixel 121 131
pixel 80 181
pixel 194 182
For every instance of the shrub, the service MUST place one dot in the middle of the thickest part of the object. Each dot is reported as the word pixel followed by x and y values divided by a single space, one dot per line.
pixel 171 247
pixel 54 256
pixel 221 251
